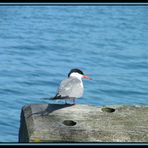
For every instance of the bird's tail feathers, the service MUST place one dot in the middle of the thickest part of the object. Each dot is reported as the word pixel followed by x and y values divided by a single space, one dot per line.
pixel 62 97
pixel 58 98
pixel 47 98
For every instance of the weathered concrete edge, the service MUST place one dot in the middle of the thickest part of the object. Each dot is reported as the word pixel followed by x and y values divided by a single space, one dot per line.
pixel 23 127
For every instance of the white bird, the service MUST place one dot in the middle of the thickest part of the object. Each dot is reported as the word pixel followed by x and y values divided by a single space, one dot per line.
pixel 72 87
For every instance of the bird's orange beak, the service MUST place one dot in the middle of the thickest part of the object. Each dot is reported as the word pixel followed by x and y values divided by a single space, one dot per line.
pixel 86 77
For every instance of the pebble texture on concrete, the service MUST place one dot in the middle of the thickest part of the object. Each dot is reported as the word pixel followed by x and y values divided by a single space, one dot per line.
pixel 83 123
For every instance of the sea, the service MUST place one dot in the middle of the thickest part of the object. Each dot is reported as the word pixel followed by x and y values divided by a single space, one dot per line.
pixel 40 44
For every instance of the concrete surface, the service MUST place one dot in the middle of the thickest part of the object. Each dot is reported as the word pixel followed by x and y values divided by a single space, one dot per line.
pixel 83 123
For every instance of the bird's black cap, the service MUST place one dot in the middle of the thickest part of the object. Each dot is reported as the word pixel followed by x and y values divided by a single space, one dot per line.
pixel 75 70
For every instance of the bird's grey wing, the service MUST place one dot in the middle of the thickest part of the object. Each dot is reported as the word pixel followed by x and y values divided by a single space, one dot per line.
pixel 71 88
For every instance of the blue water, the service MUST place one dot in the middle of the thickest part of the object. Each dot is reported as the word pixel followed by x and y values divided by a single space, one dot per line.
pixel 39 45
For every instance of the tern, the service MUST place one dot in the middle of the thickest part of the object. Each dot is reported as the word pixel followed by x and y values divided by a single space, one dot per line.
pixel 72 87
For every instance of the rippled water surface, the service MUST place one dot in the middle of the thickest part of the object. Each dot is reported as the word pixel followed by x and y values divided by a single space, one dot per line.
pixel 40 44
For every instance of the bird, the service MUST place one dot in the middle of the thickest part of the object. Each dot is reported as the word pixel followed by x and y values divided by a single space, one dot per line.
pixel 71 88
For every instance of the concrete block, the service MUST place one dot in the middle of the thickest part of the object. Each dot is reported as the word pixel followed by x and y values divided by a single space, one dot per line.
pixel 83 123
